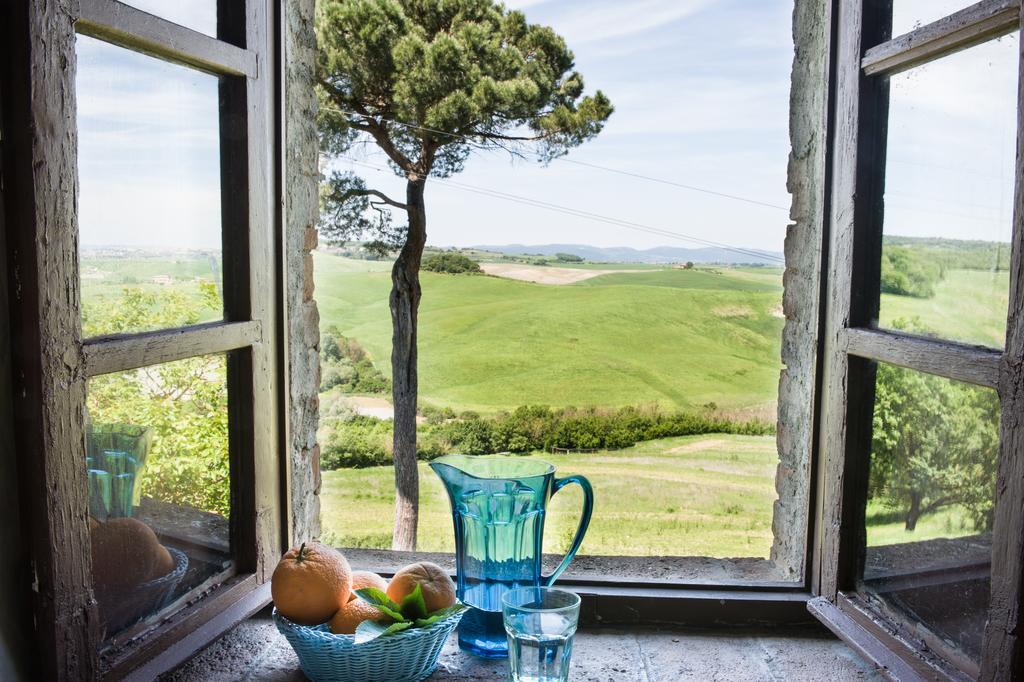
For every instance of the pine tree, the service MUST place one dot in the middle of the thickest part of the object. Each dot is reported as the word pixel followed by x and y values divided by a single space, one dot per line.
pixel 430 82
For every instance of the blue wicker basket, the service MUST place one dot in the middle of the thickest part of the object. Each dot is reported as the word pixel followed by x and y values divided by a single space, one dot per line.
pixel 407 656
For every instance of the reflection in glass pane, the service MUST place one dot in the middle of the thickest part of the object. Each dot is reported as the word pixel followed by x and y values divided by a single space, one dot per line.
pixel 931 494
pixel 910 14
pixel 159 485
pixel 150 204
pixel 949 195
pixel 198 15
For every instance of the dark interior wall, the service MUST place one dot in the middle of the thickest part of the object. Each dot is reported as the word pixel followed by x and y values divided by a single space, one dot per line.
pixel 14 607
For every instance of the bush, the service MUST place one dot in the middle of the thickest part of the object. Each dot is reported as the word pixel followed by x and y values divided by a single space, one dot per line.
pixel 907 273
pixel 357 442
pixel 341 374
pixel 437 415
pixel 329 347
pixel 471 437
pixel 364 441
pixel 451 264
pixel 568 258
pixel 346 364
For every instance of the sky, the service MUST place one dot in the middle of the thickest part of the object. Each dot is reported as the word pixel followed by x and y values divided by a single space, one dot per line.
pixel 697 101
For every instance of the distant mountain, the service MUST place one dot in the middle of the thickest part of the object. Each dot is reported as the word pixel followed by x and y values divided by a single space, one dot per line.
pixel 624 254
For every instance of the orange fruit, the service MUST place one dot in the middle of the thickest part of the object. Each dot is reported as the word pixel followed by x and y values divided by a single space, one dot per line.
pixel 125 554
pixel 349 616
pixel 363 579
pixel 438 588
pixel 311 583
pixel 164 563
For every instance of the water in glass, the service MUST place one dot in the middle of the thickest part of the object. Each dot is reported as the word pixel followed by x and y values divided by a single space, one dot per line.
pixel 540 624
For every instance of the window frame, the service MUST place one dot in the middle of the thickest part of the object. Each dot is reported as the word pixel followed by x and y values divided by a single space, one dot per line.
pixel 864 55
pixel 53 362
pixel 840 222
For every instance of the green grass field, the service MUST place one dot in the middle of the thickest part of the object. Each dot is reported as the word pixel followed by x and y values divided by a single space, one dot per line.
pixel 969 305
pixel 691 496
pixel 677 338
pixel 106 278
pixel 696 496
pixel 885 528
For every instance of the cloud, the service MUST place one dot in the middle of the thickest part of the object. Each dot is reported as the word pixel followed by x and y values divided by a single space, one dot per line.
pixel 698 104
pixel 148 150
pixel 199 15
pixel 523 4
pixel 606 19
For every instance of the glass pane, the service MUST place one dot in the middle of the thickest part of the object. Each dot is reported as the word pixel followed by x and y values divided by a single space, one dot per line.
pixel 929 515
pixel 150 204
pixel 910 14
pixel 949 195
pixel 159 485
pixel 198 15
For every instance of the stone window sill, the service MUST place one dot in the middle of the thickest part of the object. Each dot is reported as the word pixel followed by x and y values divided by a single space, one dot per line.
pixel 255 651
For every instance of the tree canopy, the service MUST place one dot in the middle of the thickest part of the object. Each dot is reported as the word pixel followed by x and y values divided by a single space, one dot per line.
pixel 431 81
pixel 935 443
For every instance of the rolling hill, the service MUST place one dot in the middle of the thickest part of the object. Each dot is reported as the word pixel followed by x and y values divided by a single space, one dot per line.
pixel 679 338
pixel 625 254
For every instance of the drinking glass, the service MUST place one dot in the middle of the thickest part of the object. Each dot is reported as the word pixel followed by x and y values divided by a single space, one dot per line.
pixel 540 623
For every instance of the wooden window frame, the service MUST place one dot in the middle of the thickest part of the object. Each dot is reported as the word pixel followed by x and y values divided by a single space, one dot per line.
pixel 53 363
pixel 863 55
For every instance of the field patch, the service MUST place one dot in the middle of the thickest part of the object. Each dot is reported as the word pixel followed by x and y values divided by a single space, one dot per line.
pixel 653 499
pixel 968 305
pixel 649 502
pixel 630 338
pixel 539 274
pixel 697 446
pixel 733 311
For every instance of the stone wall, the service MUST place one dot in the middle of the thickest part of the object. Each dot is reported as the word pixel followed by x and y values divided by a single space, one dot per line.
pixel 806 180
pixel 303 320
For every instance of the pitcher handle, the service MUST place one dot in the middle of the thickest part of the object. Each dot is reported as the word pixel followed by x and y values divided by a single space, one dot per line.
pixel 588 508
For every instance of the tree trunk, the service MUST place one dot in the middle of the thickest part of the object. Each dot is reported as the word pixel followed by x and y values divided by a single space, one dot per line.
pixel 405 302
pixel 914 513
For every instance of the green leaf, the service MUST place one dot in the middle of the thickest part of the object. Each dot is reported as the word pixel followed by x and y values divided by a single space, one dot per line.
pixel 440 615
pixel 383 603
pixel 370 630
pixel 413 606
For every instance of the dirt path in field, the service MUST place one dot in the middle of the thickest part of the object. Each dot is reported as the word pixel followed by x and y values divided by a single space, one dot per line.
pixel 378 408
pixel 368 406
pixel 542 274
pixel 698 446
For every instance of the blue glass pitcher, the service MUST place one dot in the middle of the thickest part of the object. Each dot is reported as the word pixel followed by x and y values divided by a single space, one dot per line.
pixel 498 506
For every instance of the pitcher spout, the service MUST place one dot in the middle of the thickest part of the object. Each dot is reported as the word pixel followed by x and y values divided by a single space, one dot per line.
pixel 489 467
pixel 449 474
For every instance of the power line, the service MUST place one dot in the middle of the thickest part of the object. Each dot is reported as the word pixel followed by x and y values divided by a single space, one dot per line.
pixel 580 213
pixel 607 169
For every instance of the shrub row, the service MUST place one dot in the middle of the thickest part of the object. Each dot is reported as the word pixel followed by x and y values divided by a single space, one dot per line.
pixel 364 441
pixel 532 428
